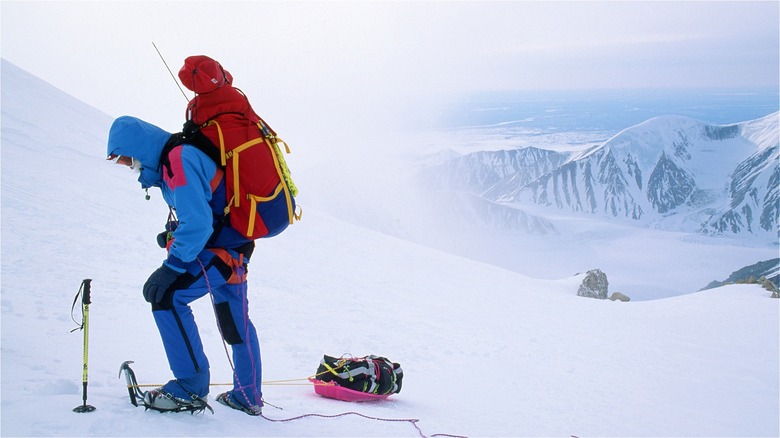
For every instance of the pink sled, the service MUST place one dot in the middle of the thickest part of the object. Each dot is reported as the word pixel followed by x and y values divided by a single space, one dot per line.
pixel 333 390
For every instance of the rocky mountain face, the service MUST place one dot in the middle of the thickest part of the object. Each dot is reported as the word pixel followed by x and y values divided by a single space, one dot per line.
pixel 481 171
pixel 766 269
pixel 668 172
pixel 753 190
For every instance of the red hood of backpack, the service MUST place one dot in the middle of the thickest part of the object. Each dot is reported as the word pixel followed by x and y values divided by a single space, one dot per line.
pixel 225 99
pixel 202 74
pixel 215 92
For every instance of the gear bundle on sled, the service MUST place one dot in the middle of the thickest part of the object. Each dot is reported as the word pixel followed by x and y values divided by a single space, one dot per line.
pixel 357 379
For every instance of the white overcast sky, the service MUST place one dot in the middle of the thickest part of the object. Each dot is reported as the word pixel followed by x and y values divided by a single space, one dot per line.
pixel 315 57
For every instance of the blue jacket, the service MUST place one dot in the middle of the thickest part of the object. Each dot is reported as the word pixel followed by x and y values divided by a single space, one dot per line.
pixel 196 191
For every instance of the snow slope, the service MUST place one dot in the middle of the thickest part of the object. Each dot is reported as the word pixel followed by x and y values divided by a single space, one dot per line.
pixel 486 352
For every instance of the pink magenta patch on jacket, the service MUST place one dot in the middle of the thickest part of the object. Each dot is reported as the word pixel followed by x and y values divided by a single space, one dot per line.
pixel 179 178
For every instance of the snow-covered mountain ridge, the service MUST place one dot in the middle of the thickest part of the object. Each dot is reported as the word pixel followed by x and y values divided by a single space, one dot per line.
pixel 702 364
pixel 670 172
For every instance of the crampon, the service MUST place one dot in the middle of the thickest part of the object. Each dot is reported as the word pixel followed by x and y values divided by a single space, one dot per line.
pixel 159 400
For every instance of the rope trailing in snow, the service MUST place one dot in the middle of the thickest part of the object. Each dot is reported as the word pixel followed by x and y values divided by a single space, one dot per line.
pixel 412 421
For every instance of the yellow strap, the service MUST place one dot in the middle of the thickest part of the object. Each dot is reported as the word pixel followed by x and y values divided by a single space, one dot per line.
pixel 338 365
pixel 253 210
pixel 247 145
pixel 330 369
pixel 280 164
pixel 257 199
pixel 236 182
pixel 221 142
pixel 286 147
pixel 236 153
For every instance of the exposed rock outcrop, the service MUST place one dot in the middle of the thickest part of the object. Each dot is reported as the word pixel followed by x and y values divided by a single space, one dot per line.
pixel 617 296
pixel 594 285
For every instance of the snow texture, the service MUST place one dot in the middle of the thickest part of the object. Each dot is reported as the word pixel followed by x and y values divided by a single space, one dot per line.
pixel 485 351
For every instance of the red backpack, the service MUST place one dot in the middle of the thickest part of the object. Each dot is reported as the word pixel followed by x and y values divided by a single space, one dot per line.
pixel 220 121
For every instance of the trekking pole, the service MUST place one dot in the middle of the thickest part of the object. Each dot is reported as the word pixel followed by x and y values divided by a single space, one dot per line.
pixel 169 71
pixel 85 302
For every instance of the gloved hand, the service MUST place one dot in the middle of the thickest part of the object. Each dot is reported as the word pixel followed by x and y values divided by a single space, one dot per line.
pixel 158 283
pixel 162 239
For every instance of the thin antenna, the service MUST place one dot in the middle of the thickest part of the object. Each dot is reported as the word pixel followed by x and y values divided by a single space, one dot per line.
pixel 169 71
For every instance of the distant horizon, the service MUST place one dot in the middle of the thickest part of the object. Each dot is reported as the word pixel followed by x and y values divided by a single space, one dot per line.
pixel 770 90
pixel 611 109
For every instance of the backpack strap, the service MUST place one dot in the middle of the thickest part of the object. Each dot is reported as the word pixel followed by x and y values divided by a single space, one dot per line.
pixel 165 161
pixel 193 138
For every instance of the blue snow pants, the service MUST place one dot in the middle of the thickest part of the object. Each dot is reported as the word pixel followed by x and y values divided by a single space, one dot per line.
pixel 225 278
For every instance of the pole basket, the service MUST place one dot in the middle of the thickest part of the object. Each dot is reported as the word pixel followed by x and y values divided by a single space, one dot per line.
pixel 84 408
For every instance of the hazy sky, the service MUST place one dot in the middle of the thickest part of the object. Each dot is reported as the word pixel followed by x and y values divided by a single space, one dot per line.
pixel 317 57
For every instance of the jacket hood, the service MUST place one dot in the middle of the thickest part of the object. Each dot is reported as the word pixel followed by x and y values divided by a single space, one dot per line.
pixel 132 137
